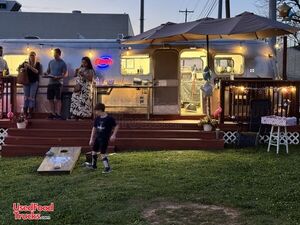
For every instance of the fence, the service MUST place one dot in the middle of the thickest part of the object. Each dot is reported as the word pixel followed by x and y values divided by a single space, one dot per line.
pixel 236 97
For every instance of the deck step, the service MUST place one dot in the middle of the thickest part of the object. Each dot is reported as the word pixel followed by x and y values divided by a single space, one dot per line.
pixel 36 150
pixel 41 135
pixel 87 124
pixel 123 133
pixel 127 144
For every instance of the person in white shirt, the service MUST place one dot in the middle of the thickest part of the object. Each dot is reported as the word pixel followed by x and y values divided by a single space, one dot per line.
pixel 3 64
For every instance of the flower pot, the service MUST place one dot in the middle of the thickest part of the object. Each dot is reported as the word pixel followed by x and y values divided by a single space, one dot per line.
pixel 207 127
pixel 22 125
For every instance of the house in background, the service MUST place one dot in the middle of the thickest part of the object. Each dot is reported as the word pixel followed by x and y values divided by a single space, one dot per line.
pixel 16 24
pixel 293 66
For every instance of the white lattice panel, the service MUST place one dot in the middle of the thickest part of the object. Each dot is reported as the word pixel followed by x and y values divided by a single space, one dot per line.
pixel 3 134
pixel 293 138
pixel 230 137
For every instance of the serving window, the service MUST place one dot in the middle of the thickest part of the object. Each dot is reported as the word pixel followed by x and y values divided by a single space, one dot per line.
pixel 14 61
pixel 227 64
pixel 135 65
pixel 192 64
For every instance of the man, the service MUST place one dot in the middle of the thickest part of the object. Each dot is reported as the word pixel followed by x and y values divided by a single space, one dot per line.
pixel 57 70
pixel 3 64
pixel 104 130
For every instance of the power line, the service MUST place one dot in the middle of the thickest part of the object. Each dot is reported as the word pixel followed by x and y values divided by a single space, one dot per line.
pixel 212 8
pixel 204 8
pixel 209 5
pixel 196 8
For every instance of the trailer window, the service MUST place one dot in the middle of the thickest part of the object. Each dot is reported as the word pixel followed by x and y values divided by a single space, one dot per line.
pixel 227 64
pixel 13 62
pixel 135 65
pixel 192 64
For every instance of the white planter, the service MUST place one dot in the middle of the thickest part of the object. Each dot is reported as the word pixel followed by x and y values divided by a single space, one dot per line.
pixel 207 127
pixel 21 125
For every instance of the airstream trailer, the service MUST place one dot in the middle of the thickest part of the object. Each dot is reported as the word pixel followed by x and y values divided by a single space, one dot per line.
pixel 173 73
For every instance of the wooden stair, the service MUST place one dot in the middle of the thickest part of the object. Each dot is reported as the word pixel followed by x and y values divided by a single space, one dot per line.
pixel 41 135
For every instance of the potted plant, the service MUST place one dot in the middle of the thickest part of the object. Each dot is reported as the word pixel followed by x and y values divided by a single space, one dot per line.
pixel 21 121
pixel 208 123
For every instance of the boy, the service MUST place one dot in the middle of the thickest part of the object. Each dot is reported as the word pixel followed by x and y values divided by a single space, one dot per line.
pixel 104 130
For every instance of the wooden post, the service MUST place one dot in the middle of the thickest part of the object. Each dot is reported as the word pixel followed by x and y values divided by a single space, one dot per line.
pixel 227 7
pixel 207 50
pixel 297 97
pixel 284 59
pixel 222 100
pixel 220 9
pixel 142 18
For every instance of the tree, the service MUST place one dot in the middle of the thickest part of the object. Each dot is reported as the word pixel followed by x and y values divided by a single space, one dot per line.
pixel 288 11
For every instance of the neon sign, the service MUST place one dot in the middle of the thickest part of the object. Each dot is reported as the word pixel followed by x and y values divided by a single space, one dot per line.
pixel 104 62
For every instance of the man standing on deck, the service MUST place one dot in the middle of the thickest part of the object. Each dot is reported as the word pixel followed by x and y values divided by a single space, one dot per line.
pixel 57 70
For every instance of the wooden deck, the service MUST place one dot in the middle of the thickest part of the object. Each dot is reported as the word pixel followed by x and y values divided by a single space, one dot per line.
pixel 134 134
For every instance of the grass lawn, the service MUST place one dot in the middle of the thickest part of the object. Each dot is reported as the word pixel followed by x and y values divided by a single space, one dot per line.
pixel 263 188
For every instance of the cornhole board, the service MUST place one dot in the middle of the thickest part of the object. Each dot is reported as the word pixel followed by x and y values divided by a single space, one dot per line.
pixel 62 161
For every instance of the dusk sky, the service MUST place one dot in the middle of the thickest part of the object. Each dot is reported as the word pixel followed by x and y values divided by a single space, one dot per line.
pixel 156 11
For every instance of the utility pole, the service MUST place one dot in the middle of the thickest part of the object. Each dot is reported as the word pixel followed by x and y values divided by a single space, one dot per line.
pixel 220 10
pixel 142 18
pixel 227 6
pixel 186 11
pixel 272 16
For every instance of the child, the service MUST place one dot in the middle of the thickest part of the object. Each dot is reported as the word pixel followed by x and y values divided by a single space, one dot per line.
pixel 104 130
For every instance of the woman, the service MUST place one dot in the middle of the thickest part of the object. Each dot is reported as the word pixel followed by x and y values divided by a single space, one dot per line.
pixel 33 69
pixel 82 98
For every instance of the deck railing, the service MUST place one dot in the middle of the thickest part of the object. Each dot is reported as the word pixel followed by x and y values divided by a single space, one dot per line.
pixel 236 97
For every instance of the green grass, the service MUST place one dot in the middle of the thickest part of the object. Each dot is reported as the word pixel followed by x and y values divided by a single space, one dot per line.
pixel 263 187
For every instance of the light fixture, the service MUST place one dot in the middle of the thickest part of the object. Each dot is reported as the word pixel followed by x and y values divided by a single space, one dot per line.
pixel 277 46
pixel 284 90
pixel 90 53
pixel 293 89
pixel 242 88
pixel 28 49
pixel 241 47
pixel 193 47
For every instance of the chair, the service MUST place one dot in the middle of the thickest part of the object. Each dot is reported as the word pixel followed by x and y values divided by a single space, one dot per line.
pixel 258 108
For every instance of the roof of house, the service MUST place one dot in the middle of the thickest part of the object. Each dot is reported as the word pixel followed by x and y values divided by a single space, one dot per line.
pixel 18 25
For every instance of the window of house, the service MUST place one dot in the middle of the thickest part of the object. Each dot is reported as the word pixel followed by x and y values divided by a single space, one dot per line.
pixel 135 65
pixel 227 64
pixel 14 61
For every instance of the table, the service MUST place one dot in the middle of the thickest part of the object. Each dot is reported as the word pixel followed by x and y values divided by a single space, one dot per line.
pixel 278 138
pixel 107 89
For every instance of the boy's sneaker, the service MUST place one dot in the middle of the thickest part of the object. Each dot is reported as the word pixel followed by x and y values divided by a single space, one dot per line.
pixel 90 166
pixel 107 170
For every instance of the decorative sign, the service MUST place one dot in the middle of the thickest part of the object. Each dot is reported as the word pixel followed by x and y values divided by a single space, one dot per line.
pixel 104 62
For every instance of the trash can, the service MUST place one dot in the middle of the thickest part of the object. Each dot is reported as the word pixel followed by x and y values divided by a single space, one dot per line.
pixel 66 98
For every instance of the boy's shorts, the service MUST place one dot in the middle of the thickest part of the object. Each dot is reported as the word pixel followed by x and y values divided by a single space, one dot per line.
pixel 100 145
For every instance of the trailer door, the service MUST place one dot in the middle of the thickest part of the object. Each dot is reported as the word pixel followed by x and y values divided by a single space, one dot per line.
pixel 166 73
